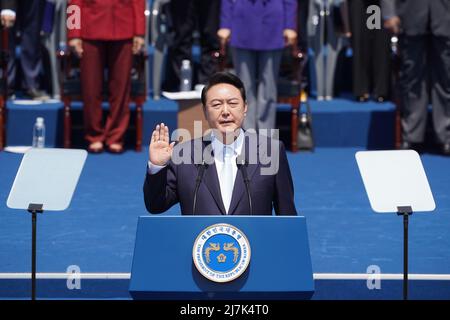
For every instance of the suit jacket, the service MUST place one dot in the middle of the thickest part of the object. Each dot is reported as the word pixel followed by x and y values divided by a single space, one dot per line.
pixel 176 183
pixel 316 10
pixel 419 17
pixel 258 24
pixel 109 19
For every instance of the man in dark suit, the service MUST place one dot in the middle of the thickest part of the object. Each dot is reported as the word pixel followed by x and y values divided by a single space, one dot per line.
pixel 8 19
pixel 186 17
pixel 28 25
pixel 228 171
pixel 424 29
pixel 371 54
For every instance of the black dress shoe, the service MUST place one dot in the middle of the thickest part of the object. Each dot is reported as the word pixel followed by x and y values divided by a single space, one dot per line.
pixel 446 149
pixel 363 98
pixel 418 147
pixel 406 145
pixel 38 95
pixel 380 99
pixel 11 94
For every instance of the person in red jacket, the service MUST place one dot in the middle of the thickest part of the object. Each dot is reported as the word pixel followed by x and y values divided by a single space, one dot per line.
pixel 110 32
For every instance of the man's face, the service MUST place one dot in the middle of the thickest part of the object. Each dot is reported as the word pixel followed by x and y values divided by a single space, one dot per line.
pixel 225 109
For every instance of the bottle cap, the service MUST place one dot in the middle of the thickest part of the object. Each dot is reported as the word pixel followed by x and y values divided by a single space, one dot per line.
pixel 186 63
pixel 40 120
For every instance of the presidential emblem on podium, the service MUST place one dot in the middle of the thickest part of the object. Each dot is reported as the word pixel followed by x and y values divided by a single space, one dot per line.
pixel 221 252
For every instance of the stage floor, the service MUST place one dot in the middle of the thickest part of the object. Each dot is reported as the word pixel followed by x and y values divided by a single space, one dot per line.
pixel 97 232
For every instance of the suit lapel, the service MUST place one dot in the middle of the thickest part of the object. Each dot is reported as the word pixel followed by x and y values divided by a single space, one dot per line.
pixel 212 182
pixel 210 178
pixel 239 189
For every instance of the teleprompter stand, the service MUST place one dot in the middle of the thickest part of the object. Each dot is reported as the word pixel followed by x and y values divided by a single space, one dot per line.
pixel 405 212
pixel 395 181
pixel 46 179
pixel 34 209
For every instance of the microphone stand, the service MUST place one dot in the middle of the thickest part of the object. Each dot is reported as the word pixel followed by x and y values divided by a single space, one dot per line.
pixel 242 165
pixel 198 180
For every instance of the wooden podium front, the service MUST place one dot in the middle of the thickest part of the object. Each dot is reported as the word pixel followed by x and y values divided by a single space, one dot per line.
pixel 191 110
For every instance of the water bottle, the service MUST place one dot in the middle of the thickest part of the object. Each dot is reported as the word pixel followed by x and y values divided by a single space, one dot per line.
pixel 39 133
pixel 348 52
pixel 303 120
pixel 394 45
pixel 186 76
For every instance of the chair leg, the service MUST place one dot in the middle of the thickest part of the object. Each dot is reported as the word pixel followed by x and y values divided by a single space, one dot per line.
pixel 67 124
pixel 139 124
pixel 397 124
pixel 2 123
pixel 398 127
pixel 4 38
pixel 397 113
pixel 397 102
pixel 295 105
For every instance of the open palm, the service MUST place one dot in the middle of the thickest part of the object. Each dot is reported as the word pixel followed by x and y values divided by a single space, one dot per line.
pixel 160 150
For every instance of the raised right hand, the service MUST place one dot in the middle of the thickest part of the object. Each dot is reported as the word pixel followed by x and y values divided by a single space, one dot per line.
pixel 160 150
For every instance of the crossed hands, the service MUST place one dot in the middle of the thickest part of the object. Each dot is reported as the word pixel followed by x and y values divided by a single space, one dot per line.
pixel 289 35
pixel 77 45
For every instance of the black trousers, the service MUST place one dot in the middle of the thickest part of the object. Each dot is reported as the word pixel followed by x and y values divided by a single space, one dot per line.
pixel 371 52
pixel 302 23
pixel 186 17
pixel 28 24
pixel 424 79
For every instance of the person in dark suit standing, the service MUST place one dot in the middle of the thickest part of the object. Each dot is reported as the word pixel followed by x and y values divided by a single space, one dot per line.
pixel 371 55
pixel 111 31
pixel 424 29
pixel 188 16
pixel 8 19
pixel 230 171
pixel 28 27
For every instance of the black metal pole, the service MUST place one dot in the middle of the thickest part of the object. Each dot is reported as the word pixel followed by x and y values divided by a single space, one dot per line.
pixel 33 256
pixel 405 256
pixel 34 209
pixel 405 211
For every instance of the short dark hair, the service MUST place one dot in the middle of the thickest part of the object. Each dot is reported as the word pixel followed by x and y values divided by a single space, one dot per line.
pixel 223 77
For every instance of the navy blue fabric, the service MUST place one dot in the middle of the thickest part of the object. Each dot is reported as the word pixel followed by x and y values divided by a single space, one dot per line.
pixel 98 230
pixel 176 183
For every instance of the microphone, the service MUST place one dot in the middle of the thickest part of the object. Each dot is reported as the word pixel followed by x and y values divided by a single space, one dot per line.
pixel 241 164
pixel 198 180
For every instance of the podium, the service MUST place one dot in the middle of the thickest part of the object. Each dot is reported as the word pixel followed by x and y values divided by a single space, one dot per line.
pixel 190 111
pixel 279 268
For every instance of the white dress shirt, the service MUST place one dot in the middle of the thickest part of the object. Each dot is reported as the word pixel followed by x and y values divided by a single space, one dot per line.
pixel 218 148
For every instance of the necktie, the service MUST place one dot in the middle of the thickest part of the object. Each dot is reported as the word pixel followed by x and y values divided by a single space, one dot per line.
pixel 227 177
